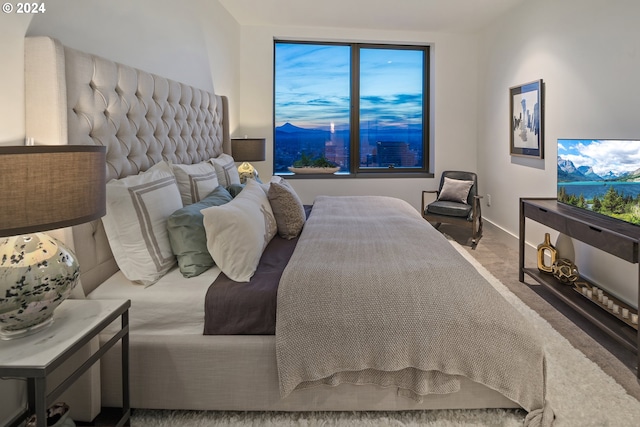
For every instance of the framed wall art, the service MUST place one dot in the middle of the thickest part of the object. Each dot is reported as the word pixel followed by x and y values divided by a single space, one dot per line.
pixel 526 114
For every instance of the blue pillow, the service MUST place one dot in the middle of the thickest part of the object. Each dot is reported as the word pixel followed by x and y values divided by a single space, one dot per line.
pixel 187 235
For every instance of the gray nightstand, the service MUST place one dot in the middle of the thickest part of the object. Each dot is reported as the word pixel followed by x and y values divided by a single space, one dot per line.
pixel 34 357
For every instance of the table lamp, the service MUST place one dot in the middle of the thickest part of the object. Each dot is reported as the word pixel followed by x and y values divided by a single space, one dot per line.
pixel 43 188
pixel 248 150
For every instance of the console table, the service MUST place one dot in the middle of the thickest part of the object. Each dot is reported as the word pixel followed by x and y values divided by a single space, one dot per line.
pixel 607 234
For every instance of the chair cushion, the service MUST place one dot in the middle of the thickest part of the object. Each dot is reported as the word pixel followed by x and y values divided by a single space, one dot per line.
pixel 447 208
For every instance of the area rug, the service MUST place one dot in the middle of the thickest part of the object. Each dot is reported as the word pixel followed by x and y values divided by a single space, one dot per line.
pixel 580 393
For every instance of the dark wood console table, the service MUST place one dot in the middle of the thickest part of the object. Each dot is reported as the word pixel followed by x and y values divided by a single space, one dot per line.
pixel 612 236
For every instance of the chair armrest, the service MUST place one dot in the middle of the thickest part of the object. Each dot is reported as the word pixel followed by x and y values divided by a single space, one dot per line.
pixel 477 207
pixel 424 192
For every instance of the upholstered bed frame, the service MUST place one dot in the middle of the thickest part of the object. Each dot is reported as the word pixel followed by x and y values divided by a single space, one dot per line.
pixel 77 98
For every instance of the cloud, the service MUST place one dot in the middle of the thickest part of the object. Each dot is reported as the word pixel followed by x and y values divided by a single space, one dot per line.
pixel 608 155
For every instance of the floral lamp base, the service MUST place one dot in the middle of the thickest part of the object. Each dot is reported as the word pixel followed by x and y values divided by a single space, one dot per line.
pixel 247 171
pixel 37 273
pixel 8 334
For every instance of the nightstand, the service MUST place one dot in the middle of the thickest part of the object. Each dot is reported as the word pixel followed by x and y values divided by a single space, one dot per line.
pixel 76 322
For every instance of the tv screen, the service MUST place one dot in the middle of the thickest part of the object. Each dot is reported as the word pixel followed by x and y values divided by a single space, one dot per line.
pixel 601 175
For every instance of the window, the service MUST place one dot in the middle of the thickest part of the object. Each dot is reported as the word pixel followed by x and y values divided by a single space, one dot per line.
pixel 363 107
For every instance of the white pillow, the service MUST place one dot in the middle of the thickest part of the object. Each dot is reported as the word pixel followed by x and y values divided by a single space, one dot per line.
pixel 136 222
pixel 195 182
pixel 226 170
pixel 238 232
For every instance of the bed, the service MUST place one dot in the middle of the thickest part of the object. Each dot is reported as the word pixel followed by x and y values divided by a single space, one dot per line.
pixel 146 121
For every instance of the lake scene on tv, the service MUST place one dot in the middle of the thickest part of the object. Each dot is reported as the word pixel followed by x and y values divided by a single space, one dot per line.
pixel 601 175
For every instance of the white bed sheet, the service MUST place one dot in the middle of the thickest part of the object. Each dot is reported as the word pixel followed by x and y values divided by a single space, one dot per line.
pixel 172 306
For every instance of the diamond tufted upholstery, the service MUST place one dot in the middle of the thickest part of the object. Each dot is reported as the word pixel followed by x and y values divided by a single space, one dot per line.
pixel 141 118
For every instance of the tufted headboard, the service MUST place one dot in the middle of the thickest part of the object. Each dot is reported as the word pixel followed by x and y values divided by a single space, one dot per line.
pixel 74 97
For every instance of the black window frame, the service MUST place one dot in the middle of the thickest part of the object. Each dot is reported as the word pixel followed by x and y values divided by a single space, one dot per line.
pixel 354 120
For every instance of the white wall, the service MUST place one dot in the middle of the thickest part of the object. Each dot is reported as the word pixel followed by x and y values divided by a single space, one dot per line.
pixel 195 42
pixel 587 53
pixel 454 123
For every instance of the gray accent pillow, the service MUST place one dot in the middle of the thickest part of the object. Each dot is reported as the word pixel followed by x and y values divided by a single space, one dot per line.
pixel 455 190
pixel 287 209
pixel 188 237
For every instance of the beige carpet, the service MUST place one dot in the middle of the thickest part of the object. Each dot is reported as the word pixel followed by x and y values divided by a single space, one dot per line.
pixel 580 392
pixel 498 253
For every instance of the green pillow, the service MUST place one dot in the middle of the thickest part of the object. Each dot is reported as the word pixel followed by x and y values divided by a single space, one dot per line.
pixel 187 235
pixel 235 189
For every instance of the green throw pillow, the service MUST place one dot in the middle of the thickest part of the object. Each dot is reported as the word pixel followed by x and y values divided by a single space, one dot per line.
pixel 235 189
pixel 187 235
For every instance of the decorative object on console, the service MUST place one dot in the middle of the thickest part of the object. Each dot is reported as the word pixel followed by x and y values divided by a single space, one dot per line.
pixel 526 107
pixel 43 188
pixel 545 248
pixel 564 247
pixel 609 303
pixel 565 270
pixel 248 150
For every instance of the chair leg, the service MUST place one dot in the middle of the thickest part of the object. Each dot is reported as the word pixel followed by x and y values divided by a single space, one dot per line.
pixel 477 231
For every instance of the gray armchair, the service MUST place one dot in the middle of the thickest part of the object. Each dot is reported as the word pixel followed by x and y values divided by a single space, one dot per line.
pixel 457 202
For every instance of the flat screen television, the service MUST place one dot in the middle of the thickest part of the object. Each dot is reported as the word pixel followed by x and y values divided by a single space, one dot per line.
pixel 601 175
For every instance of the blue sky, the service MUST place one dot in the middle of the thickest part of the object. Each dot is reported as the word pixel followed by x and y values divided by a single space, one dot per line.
pixel 603 155
pixel 312 85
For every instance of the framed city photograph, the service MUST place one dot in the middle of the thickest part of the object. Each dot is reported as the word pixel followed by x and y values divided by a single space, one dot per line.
pixel 526 114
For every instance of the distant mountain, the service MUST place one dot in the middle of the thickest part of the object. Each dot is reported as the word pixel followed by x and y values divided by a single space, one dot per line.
pixel 567 171
pixel 566 166
pixel 289 128
pixel 587 172
pixel 610 176
pixel 631 176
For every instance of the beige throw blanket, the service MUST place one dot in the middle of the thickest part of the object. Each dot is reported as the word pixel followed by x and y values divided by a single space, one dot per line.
pixel 374 294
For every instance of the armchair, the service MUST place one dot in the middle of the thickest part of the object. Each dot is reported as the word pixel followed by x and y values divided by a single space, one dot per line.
pixel 457 202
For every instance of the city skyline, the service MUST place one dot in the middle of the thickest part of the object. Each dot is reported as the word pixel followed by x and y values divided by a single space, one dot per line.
pixel 313 95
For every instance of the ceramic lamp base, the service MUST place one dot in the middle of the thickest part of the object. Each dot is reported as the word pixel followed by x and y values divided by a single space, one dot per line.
pixel 247 171
pixel 21 333
pixel 37 273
